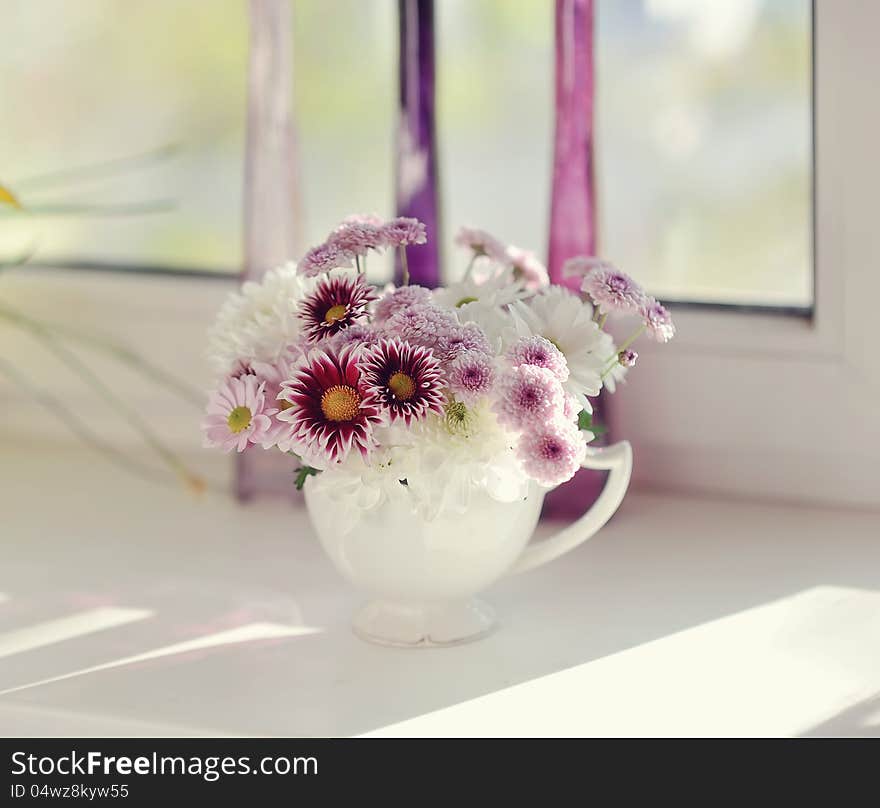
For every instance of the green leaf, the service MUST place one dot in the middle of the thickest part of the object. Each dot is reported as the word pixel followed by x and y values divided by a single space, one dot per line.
pixel 302 474
pixel 585 421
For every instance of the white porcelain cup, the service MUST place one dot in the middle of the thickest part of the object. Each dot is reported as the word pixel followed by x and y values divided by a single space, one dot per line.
pixel 423 575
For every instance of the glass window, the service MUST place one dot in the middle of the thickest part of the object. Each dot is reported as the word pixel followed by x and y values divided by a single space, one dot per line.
pixel 704 147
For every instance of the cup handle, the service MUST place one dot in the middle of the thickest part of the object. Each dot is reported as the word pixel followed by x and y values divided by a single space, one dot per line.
pixel 617 459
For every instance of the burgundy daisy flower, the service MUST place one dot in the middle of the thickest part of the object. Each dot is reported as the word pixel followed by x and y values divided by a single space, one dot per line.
pixel 330 409
pixel 404 378
pixel 339 301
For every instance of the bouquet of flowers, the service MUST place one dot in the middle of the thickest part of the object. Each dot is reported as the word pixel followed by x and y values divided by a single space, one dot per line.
pixel 430 395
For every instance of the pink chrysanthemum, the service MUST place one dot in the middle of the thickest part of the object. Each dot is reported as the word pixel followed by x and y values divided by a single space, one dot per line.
pixel 238 414
pixel 329 410
pixel 461 338
pixel 528 396
pixel 582 265
pixel 405 379
pixel 358 238
pixel 552 453
pixel 539 352
pixel 612 290
pixel 658 320
pixel 336 304
pixel 403 231
pixel 482 243
pixel 399 299
pixel 572 408
pixel 471 376
pixel 356 334
pixel 421 323
pixel 527 269
pixel 323 258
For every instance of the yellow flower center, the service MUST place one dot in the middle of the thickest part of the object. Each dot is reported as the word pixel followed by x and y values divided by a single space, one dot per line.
pixel 239 419
pixel 402 386
pixel 464 301
pixel 340 403
pixel 334 313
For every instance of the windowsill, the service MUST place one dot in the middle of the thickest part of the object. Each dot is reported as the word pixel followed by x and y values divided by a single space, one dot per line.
pixel 684 616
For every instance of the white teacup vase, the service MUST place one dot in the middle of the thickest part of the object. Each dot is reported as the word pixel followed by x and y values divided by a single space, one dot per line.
pixel 423 575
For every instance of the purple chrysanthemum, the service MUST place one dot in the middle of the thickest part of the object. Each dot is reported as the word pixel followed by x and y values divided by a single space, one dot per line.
pixel 356 334
pixel 405 379
pixel 461 338
pixel 400 299
pixel 612 290
pixel 323 258
pixel 471 376
pixel 403 231
pixel 330 411
pixel 658 320
pixel 539 352
pixel 528 396
pixel 338 301
pixel 358 237
pixel 552 452
pixel 422 324
pixel 238 414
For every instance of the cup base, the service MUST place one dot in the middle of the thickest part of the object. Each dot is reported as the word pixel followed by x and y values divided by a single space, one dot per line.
pixel 424 625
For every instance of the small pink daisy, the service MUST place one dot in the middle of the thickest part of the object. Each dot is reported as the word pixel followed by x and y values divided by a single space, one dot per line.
pixel 328 409
pixel 237 414
pixel 405 379
pixel 612 290
pixel 403 231
pixel 540 352
pixel 552 452
pixel 658 320
pixel 323 258
pixel 338 302
pixel 527 397
pixel 471 376
pixel 582 265
pixel 527 268
pixel 399 299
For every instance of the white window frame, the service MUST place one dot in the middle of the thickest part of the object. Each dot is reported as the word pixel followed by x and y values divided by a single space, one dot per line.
pixel 781 406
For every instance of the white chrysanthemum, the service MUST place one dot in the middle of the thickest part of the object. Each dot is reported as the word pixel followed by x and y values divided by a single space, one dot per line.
pixel 560 316
pixel 259 322
pixel 487 285
pixel 451 457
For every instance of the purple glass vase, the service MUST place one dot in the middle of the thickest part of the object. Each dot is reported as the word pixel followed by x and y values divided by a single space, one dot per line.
pixel 573 202
pixel 416 143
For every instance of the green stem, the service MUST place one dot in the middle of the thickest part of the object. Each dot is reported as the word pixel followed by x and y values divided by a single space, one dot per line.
pixel 404 266
pixel 470 266
pixel 632 338
pixel 602 320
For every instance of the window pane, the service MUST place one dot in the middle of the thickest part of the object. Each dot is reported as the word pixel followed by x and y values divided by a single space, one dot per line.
pixel 495 119
pixel 345 81
pixel 97 80
pixel 704 146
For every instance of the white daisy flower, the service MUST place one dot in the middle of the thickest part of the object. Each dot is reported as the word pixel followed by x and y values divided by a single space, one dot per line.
pixel 259 323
